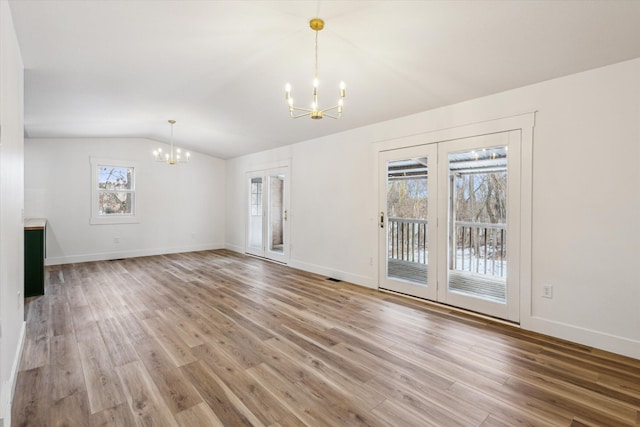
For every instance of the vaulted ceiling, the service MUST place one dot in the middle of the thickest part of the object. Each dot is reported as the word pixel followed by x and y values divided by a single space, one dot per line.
pixel 123 68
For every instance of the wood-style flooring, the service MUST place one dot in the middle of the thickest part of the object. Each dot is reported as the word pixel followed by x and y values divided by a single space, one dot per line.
pixel 216 338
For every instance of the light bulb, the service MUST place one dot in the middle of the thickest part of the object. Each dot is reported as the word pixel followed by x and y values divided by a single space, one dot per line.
pixel 343 86
pixel 159 150
pixel 315 82
pixel 178 150
pixel 291 102
pixel 287 88
pixel 341 102
pixel 314 106
pixel 188 154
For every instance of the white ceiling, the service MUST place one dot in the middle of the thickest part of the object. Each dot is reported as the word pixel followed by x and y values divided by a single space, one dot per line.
pixel 123 68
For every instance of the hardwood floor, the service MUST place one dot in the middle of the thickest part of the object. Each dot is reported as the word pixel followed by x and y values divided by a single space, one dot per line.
pixel 216 338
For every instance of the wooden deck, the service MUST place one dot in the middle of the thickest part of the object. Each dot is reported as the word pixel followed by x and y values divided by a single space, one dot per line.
pixel 215 338
pixel 486 287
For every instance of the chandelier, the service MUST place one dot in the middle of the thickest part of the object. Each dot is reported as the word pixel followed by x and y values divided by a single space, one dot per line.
pixel 174 155
pixel 315 112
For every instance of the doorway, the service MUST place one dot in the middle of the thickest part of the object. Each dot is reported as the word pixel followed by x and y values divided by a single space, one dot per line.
pixel 267 216
pixel 450 222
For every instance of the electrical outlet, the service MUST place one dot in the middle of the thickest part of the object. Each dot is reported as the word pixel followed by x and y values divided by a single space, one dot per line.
pixel 547 291
pixel 116 240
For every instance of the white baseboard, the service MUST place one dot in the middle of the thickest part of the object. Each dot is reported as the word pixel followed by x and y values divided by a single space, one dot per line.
pixel 596 339
pixel 235 248
pixel 9 386
pixel 103 256
pixel 368 282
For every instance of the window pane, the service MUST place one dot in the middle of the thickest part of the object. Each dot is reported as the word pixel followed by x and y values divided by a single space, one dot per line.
pixel 115 203
pixel 407 209
pixel 115 178
pixel 478 223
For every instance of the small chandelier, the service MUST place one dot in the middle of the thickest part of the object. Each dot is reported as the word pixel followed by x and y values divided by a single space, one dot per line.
pixel 173 156
pixel 315 112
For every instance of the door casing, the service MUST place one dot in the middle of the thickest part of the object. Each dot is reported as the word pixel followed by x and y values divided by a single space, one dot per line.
pixel 437 289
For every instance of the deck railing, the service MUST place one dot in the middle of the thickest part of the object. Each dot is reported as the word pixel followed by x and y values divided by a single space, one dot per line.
pixel 408 240
pixel 479 247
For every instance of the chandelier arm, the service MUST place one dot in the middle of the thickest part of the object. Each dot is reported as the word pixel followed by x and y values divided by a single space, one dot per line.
pixel 300 115
pixel 301 109
pixel 332 116
pixel 329 109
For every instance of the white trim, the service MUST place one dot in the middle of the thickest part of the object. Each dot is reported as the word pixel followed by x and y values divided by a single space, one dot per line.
pixel 9 386
pixel 521 121
pixel 588 337
pixel 234 248
pixel 526 223
pixel 96 218
pixel 259 167
pixel 355 279
pixel 104 256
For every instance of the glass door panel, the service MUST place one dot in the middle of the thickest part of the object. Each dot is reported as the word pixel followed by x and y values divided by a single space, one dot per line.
pixel 255 226
pixel 407 207
pixel 276 213
pixel 479 203
pixel 478 223
pixel 406 192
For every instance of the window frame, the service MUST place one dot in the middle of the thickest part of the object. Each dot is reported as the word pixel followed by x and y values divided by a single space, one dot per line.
pixel 96 217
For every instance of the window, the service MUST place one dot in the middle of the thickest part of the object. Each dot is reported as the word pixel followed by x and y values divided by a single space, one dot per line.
pixel 256 196
pixel 113 192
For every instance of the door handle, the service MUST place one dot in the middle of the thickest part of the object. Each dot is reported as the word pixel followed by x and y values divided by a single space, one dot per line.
pixel 286 214
pixel 381 219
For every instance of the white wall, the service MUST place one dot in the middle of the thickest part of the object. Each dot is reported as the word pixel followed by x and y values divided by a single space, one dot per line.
pixel 11 204
pixel 586 200
pixel 179 206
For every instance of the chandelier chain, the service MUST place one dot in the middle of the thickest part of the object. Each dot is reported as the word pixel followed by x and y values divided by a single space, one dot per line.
pixel 316 70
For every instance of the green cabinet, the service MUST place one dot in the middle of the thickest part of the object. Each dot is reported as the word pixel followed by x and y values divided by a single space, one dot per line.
pixel 34 254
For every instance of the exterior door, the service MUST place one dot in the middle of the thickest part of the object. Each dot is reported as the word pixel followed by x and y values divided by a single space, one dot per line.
pixel 451 221
pixel 267 216
pixel 479 209
pixel 408 221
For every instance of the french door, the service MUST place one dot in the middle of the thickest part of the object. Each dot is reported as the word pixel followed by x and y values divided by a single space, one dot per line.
pixel 450 221
pixel 267 214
